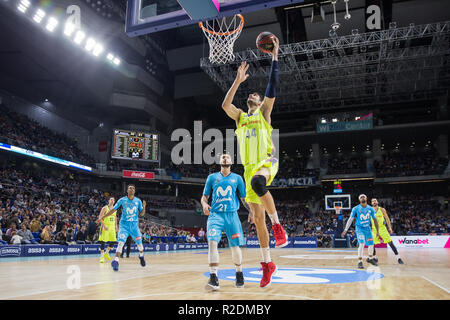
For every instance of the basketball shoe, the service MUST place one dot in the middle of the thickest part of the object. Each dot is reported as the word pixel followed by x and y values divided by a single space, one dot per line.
pixel 102 260
pixel 142 261
pixel 360 265
pixel 239 279
pixel 268 270
pixel 115 265
pixel 213 283
pixel 107 256
pixel 372 262
pixel 281 238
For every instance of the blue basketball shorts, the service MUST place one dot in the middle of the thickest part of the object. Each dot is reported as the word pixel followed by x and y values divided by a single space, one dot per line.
pixel 364 236
pixel 130 229
pixel 228 221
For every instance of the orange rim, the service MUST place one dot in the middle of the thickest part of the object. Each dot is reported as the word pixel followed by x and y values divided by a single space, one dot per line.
pixel 224 33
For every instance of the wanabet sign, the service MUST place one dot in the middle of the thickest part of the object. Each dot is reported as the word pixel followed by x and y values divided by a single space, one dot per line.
pixel 422 241
pixel 138 174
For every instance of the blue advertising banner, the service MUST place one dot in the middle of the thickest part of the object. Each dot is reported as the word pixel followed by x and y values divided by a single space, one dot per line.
pixel 345 126
pixel 305 242
pixel 35 250
pixel 296 242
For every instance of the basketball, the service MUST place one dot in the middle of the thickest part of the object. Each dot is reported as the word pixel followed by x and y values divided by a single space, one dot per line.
pixel 265 41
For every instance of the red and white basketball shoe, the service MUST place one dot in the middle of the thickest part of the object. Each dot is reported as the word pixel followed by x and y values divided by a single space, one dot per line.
pixel 281 238
pixel 268 270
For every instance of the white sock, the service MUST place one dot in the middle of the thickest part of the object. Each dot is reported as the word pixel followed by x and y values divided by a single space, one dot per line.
pixel 141 254
pixel 236 257
pixel 265 253
pixel 116 259
pixel 274 218
pixel 360 250
pixel 213 270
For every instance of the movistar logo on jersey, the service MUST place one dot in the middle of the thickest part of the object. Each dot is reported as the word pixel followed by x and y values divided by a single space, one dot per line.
pixel 365 216
pixel 131 210
pixel 227 192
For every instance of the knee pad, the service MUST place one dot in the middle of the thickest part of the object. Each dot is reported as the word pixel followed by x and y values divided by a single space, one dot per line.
pixel 259 185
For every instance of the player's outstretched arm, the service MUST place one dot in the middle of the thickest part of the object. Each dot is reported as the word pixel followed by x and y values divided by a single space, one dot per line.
pixel 349 223
pixel 271 91
pixel 388 221
pixel 376 227
pixel 227 104
pixel 110 212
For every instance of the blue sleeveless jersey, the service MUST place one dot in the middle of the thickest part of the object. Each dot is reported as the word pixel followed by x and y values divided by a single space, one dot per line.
pixel 223 189
pixel 362 215
pixel 130 209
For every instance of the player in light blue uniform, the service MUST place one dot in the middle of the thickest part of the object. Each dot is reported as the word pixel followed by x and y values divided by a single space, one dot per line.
pixel 224 187
pixel 363 212
pixel 132 207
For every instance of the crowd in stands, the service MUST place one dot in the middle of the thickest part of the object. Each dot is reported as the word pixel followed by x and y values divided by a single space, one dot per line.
pixel 417 214
pixel 291 167
pixel 36 207
pixel 20 130
pixel 299 221
pixel 346 165
pixel 402 164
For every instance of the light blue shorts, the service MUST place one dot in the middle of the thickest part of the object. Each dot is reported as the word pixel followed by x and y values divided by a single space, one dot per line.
pixel 129 229
pixel 228 221
pixel 364 236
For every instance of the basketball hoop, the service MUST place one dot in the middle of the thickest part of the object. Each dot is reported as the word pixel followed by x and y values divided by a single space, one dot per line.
pixel 221 34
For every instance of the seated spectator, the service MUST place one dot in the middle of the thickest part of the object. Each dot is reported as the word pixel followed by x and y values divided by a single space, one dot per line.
pixel 146 237
pixel 8 234
pixel 1 237
pixel 81 237
pixel 61 237
pixel 35 225
pixel 15 238
pixel 27 236
pixel 46 236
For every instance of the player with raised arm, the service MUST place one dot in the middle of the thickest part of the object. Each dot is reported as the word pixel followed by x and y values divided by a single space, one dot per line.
pixel 107 231
pixel 362 213
pixel 254 133
pixel 223 215
pixel 385 234
pixel 132 208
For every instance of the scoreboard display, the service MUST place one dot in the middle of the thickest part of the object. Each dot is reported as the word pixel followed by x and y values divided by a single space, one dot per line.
pixel 337 186
pixel 135 145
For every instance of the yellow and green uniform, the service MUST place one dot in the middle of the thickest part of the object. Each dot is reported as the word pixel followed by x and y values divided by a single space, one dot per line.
pixel 254 136
pixel 384 234
pixel 110 222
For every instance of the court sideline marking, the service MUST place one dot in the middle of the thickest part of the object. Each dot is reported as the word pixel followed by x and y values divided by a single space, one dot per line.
pixel 436 284
pixel 205 292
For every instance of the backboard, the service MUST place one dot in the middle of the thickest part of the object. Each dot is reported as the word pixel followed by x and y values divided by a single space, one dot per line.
pixel 148 16
pixel 342 200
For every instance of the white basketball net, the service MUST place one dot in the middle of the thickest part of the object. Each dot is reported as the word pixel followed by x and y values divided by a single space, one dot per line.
pixel 221 34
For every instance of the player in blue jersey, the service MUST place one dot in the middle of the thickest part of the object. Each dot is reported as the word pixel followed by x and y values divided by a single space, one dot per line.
pixel 132 207
pixel 363 213
pixel 224 187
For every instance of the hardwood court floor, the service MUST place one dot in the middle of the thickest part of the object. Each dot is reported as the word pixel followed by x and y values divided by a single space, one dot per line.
pixel 307 274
